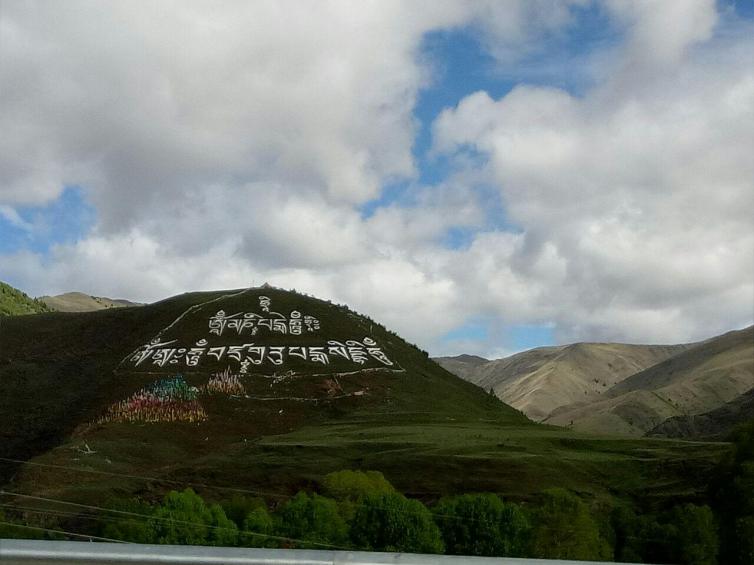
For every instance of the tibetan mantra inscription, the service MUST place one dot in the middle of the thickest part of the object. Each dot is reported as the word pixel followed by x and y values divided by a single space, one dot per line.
pixel 162 353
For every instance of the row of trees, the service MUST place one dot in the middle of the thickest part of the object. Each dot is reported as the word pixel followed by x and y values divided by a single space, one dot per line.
pixel 362 510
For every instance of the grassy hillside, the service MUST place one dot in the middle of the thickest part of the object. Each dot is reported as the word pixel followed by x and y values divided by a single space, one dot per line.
pixel 13 302
pixel 80 302
pixel 539 381
pixel 695 381
pixel 65 377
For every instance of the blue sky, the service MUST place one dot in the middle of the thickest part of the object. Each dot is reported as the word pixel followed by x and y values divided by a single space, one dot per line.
pixel 415 172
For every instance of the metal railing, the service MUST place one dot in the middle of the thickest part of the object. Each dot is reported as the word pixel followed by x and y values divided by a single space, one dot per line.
pixel 28 552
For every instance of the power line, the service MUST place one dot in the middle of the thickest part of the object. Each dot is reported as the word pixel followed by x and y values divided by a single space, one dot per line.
pixel 153 479
pixel 74 534
pixel 215 487
pixel 170 520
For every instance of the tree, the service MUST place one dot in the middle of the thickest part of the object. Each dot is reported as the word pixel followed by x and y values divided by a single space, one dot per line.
pixel 256 529
pixel 732 489
pixel 238 507
pixel 563 528
pixel 314 520
pixel 392 522
pixel 482 524
pixel 350 487
pixel 136 528
pixel 695 540
pixel 185 519
pixel 353 485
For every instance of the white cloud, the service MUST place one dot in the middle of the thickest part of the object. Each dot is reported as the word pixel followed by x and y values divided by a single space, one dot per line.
pixel 225 145
pixel 638 206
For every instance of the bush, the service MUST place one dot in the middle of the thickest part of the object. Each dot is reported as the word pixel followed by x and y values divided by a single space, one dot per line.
pixel 482 524
pixel 392 522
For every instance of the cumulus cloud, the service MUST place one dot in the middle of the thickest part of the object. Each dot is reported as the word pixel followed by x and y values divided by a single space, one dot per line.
pixel 636 209
pixel 225 145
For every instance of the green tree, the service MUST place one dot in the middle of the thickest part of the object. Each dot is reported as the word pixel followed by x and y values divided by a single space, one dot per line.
pixel 627 527
pixel 314 519
pixel 256 529
pixel 695 540
pixel 744 530
pixel 136 529
pixel 354 485
pixel 563 528
pixel 238 507
pixel 732 493
pixel 392 522
pixel 185 519
pixel 350 487
pixel 482 524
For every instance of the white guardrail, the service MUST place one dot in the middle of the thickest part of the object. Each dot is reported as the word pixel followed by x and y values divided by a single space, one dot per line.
pixel 27 552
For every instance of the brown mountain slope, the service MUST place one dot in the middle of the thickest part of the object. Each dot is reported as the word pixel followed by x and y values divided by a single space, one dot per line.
pixel 716 424
pixel 80 302
pixel 543 379
pixel 698 380
pixel 461 365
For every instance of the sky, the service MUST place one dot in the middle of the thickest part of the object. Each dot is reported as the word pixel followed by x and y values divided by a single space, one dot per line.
pixel 482 177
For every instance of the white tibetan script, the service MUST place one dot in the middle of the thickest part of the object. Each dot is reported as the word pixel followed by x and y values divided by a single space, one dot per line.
pixel 169 353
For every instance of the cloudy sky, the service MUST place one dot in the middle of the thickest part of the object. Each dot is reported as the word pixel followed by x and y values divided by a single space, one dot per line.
pixel 483 177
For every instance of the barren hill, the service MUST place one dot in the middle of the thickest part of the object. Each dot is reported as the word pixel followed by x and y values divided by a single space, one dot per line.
pixel 715 424
pixel 543 379
pixel 698 380
pixel 80 302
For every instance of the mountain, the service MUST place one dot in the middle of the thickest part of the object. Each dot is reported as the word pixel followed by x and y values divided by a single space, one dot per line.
pixel 461 365
pixel 698 380
pixel 267 390
pixel 541 380
pixel 715 424
pixel 80 302
pixel 13 302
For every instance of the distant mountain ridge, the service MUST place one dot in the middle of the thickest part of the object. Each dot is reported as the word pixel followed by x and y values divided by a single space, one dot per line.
pixel 699 380
pixel 80 302
pixel 541 380
pixel 699 389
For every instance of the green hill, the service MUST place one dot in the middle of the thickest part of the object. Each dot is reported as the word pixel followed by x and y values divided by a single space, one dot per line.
pixel 13 302
pixel 264 389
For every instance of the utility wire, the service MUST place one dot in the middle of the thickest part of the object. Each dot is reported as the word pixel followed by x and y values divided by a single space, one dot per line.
pixel 216 487
pixel 186 522
pixel 170 520
pixel 74 534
